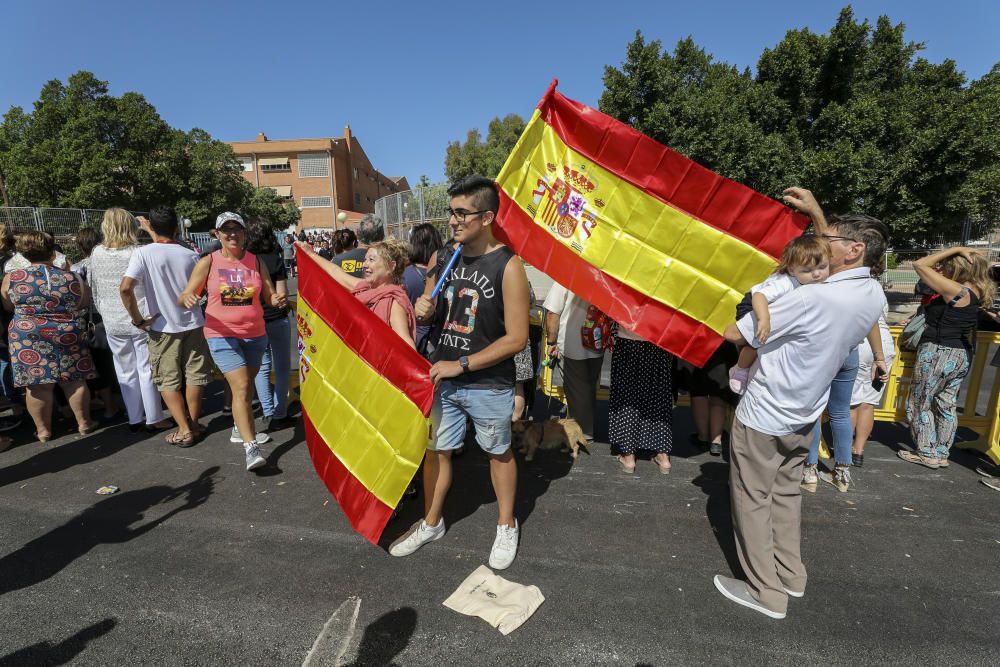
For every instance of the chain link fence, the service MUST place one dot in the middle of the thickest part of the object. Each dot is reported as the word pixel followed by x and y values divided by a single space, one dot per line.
pixel 402 211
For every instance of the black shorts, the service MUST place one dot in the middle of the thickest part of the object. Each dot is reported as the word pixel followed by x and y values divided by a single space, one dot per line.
pixel 745 306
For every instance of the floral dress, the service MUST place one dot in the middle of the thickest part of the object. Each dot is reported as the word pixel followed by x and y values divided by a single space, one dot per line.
pixel 46 335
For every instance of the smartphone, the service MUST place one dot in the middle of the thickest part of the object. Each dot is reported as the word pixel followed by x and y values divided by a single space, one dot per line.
pixel 877 384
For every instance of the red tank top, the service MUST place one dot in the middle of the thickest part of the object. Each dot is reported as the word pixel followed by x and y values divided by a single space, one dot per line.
pixel 234 309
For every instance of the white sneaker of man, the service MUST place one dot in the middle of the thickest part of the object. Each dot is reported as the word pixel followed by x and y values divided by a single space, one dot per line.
pixel 262 438
pixel 254 459
pixel 417 536
pixel 504 546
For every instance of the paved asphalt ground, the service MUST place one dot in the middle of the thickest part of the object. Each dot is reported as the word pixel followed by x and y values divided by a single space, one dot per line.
pixel 196 562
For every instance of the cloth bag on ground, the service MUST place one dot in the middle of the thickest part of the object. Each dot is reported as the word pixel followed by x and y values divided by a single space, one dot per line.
pixel 501 603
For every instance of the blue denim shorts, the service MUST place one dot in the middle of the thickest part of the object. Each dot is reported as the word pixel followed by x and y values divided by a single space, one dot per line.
pixel 489 409
pixel 230 354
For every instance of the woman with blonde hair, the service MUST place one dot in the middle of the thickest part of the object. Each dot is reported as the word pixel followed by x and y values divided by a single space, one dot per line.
pixel 128 344
pixel 961 283
pixel 381 288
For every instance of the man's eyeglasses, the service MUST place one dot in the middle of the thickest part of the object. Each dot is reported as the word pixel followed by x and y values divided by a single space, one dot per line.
pixel 831 237
pixel 461 214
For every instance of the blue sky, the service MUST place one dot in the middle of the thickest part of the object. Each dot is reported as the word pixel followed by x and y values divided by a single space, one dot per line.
pixel 408 77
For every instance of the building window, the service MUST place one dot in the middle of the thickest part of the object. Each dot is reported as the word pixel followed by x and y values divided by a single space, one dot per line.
pixel 247 162
pixel 283 191
pixel 316 202
pixel 357 199
pixel 314 165
pixel 274 164
pixel 355 173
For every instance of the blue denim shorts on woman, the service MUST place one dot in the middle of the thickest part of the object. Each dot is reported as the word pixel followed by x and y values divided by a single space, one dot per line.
pixel 230 354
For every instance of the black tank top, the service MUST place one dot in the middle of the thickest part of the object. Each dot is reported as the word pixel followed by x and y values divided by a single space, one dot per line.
pixel 473 299
pixel 951 326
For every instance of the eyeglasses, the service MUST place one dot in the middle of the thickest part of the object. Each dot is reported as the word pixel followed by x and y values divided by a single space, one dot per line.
pixel 461 214
pixel 831 237
pixel 231 230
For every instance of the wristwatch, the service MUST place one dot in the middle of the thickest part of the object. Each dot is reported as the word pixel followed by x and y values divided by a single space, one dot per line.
pixel 464 363
pixel 138 325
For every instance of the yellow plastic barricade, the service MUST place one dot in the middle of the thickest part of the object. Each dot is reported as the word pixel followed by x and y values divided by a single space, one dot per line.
pixel 893 409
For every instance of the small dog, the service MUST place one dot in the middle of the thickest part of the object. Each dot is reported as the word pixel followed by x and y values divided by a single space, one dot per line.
pixel 549 434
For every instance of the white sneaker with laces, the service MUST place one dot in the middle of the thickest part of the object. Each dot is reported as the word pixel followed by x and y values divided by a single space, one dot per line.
pixel 417 536
pixel 504 546
pixel 262 438
pixel 254 459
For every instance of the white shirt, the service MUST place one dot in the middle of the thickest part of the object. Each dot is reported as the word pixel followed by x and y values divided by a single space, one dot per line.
pixel 776 286
pixel 163 270
pixel 18 261
pixel 572 312
pixel 107 266
pixel 813 329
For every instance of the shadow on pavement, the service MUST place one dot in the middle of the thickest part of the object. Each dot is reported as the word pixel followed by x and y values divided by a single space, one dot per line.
pixel 714 483
pixel 386 637
pixel 47 653
pixel 106 522
pixel 59 457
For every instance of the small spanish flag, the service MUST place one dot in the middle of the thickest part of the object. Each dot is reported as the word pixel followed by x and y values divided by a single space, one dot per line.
pixel 366 396
pixel 664 246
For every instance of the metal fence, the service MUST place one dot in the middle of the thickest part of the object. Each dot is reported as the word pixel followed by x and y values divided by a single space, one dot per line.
pixel 402 211
pixel 60 222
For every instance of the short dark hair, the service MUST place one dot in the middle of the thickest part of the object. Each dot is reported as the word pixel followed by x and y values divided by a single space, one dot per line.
pixel 344 240
pixel 36 246
pixel 482 190
pixel 865 229
pixel 371 230
pixel 260 237
pixel 87 238
pixel 163 220
pixel 425 240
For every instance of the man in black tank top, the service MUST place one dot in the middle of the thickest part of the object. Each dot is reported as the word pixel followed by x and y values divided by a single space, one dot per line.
pixel 485 323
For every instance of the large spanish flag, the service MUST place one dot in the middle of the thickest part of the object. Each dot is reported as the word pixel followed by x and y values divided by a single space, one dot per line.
pixel 663 245
pixel 366 396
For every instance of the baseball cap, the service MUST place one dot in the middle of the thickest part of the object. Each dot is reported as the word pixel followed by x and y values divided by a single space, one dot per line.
pixel 226 217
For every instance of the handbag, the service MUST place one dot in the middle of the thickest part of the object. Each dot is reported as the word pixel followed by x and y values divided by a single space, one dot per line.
pixel 596 333
pixel 909 339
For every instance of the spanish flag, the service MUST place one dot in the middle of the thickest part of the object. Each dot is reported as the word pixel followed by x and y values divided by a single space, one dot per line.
pixel 664 246
pixel 366 396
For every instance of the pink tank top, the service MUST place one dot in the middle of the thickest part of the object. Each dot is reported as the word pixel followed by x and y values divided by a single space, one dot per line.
pixel 234 308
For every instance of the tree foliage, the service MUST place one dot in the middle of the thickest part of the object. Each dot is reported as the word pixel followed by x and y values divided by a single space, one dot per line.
pixel 855 114
pixel 82 148
pixel 485 158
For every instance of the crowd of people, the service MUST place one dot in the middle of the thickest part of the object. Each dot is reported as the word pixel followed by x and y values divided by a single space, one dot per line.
pixel 157 320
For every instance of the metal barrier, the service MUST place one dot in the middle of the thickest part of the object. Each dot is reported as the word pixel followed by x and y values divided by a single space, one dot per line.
pixel 60 222
pixel 978 399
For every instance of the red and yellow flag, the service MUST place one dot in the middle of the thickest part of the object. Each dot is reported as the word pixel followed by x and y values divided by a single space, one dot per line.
pixel 366 397
pixel 663 245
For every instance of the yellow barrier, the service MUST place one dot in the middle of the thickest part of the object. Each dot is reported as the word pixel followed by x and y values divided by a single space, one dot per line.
pixel 986 426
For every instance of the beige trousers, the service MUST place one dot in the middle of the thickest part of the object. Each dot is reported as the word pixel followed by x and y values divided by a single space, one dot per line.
pixel 764 476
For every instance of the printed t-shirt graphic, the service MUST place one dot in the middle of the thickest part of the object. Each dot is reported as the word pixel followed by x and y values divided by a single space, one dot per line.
pixel 233 287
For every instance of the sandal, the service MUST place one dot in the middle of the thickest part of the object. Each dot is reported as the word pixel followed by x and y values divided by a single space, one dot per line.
pixel 919 459
pixel 183 441
pixel 89 428
pixel 625 468
pixel 43 438
pixel 664 469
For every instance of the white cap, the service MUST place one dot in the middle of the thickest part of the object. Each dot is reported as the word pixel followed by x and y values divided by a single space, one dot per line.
pixel 226 217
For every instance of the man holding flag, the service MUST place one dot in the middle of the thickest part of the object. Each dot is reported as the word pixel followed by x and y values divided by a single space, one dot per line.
pixel 486 324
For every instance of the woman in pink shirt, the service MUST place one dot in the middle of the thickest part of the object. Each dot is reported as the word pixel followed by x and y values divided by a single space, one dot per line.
pixel 235 281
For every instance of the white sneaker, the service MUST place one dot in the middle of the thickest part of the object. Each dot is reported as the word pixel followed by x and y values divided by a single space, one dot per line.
pixel 262 438
pixel 254 459
pixel 417 536
pixel 504 547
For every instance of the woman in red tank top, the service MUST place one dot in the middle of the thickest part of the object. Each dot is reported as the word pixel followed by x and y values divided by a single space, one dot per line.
pixel 235 281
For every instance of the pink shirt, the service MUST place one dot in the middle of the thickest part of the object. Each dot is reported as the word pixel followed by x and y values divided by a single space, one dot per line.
pixel 234 307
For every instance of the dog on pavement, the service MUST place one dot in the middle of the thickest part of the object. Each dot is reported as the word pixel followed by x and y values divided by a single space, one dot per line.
pixel 565 434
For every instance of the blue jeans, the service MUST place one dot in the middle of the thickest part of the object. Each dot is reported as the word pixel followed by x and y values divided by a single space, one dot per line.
pixel 839 409
pixel 277 357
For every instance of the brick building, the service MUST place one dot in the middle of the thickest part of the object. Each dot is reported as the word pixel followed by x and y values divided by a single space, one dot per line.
pixel 323 177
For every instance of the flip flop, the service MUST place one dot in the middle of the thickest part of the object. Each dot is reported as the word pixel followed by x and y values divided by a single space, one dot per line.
pixel 919 459
pixel 664 469
pixel 625 468
pixel 89 428
pixel 182 441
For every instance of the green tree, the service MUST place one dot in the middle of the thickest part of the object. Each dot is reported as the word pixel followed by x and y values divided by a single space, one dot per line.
pixel 486 158
pixel 854 114
pixel 81 147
